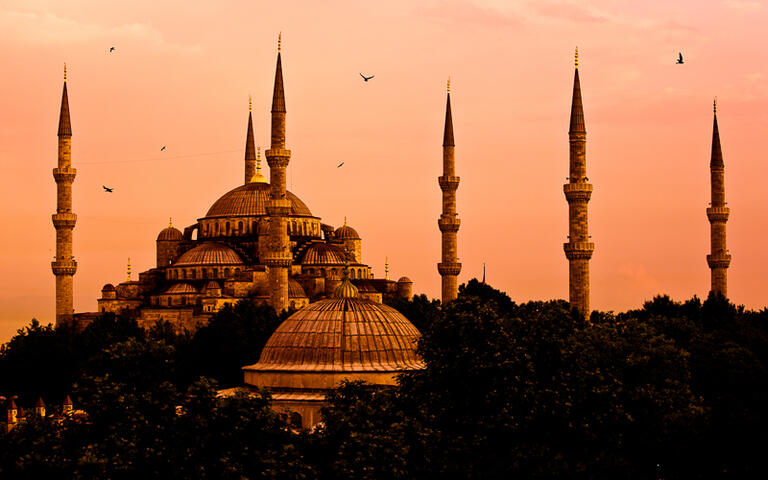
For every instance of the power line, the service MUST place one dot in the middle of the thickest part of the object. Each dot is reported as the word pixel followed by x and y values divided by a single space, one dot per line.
pixel 156 158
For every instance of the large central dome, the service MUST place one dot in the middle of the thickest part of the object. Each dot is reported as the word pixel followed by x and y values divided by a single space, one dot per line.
pixel 251 200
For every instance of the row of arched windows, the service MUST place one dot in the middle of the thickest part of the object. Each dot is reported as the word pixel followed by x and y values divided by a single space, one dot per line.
pixel 215 228
pixel 201 273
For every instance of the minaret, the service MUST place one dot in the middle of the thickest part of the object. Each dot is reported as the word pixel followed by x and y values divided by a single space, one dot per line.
pixel 718 213
pixel 449 222
pixel 64 266
pixel 278 257
pixel 579 249
pixel 250 150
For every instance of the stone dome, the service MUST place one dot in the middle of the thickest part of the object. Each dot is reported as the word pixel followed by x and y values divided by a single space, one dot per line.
pixel 324 254
pixel 345 232
pixel 404 280
pixel 181 288
pixel 337 338
pixel 170 234
pixel 108 288
pixel 251 200
pixel 295 290
pixel 209 253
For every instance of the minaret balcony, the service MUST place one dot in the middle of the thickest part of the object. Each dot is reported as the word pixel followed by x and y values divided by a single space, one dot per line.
pixel 449 268
pixel 448 223
pixel 64 175
pixel 278 157
pixel 718 214
pixel 278 260
pixel 64 220
pixel 578 191
pixel 719 261
pixel 578 250
pixel 64 267
pixel 448 183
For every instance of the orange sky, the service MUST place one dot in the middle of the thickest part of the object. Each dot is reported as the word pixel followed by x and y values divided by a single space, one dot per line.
pixel 182 73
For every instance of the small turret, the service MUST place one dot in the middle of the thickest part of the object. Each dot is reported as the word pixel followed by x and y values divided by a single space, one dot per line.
pixel 167 245
pixel 66 407
pixel 40 407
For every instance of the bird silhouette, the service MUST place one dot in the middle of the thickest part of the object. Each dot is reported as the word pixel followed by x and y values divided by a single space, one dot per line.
pixel 680 58
pixel 107 189
pixel 111 49
pixel 342 163
pixel 162 149
pixel 367 78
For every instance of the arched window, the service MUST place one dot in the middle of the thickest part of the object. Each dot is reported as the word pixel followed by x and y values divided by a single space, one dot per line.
pixel 296 420
pixel 216 228
pixel 183 300
pixel 227 229
pixel 215 272
pixel 226 272
pixel 169 301
pixel 193 274
pixel 351 274
pixel 239 228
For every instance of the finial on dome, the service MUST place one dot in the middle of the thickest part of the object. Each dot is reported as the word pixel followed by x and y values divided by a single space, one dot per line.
pixel 129 269
pixel 576 57
pixel 714 105
pixel 345 220
pixel 346 289
pixel 258 159
pixel 170 222
pixel 448 88
pixel 279 41
pixel 386 268
pixel 65 72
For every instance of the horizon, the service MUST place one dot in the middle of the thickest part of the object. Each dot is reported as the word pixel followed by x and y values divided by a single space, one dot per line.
pixel 179 80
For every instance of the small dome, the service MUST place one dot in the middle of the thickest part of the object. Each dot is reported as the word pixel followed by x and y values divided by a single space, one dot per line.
pixel 213 284
pixel 346 290
pixel 324 254
pixel 181 288
pixel 340 335
pixel 295 290
pixel 251 200
pixel 108 288
pixel 345 232
pixel 210 253
pixel 404 280
pixel 170 234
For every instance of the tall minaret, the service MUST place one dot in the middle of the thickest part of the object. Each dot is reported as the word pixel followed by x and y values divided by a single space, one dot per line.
pixel 250 150
pixel 278 257
pixel 579 249
pixel 718 213
pixel 65 266
pixel 449 222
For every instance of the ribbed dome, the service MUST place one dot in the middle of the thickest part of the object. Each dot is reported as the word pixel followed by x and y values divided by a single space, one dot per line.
pixel 181 288
pixel 295 290
pixel 108 288
pixel 345 232
pixel 210 253
pixel 170 234
pixel 324 254
pixel 251 200
pixel 404 280
pixel 212 284
pixel 342 335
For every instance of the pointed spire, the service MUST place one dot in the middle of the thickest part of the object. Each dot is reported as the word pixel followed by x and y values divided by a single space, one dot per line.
pixel 65 128
pixel 250 149
pixel 278 96
pixel 448 132
pixel 717 152
pixel 577 109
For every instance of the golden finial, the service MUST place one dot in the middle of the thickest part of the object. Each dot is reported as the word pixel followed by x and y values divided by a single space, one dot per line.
pixel 386 268
pixel 258 159
pixel 345 221
pixel 250 103
pixel 576 57
pixel 279 41
pixel 129 269
pixel 65 72
pixel 449 85
pixel 170 222
pixel 714 105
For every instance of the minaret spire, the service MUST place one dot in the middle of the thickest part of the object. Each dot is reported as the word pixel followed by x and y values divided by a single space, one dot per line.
pixel 64 266
pixel 449 222
pixel 250 150
pixel 578 191
pixel 278 258
pixel 719 260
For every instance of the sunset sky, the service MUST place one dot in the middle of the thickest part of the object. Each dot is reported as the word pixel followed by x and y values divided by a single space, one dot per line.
pixel 182 72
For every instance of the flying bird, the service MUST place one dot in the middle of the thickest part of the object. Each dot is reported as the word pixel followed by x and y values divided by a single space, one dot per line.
pixel 162 149
pixel 367 78
pixel 107 189
pixel 342 163
pixel 111 49
pixel 680 58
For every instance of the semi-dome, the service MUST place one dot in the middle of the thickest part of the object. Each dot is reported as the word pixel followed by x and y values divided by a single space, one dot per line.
pixel 345 232
pixel 251 200
pixel 181 288
pixel 210 253
pixel 295 290
pixel 324 254
pixel 170 233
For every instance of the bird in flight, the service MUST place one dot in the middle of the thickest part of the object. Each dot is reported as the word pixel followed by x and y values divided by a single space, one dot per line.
pixel 107 189
pixel 367 78
pixel 339 165
pixel 680 58
pixel 162 149
pixel 111 49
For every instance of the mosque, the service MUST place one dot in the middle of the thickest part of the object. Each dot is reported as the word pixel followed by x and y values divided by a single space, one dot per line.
pixel 262 242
